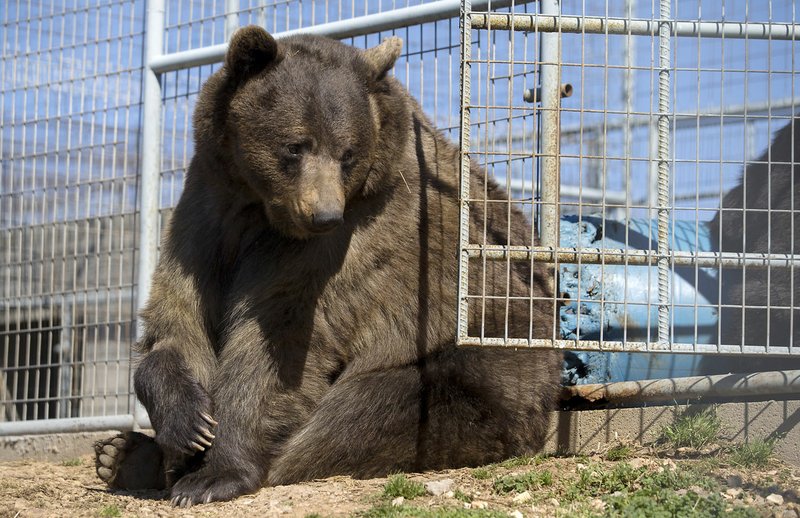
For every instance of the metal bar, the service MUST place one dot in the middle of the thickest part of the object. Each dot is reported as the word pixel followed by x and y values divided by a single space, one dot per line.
pixel 550 127
pixel 705 117
pixel 573 191
pixel 664 277
pixel 65 359
pixel 623 26
pixel 150 155
pixel 231 18
pixel 618 256
pixel 774 383
pixel 72 425
pixel 352 27
pixel 627 346
pixel 464 178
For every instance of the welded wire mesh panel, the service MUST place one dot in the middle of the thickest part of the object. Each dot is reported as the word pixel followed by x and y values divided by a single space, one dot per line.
pixel 720 79
pixel 199 23
pixel 428 67
pixel 68 163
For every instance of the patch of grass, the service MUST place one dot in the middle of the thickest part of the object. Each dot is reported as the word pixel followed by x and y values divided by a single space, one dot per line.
pixel 599 481
pixel 461 496
pixel 523 460
pixel 519 483
pixel 481 473
pixel 388 511
pixel 692 429
pixel 313 515
pixel 619 452
pixel 72 462
pixel 753 454
pixel 110 511
pixel 667 503
pixel 399 485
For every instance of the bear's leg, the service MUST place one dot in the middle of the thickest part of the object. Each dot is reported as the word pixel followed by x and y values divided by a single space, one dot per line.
pixel 261 397
pixel 462 407
pixel 180 409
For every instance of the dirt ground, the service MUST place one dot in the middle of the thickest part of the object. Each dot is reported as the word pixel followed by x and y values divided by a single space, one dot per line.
pixel 627 480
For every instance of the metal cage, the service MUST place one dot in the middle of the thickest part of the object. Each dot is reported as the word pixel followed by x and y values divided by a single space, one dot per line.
pixel 616 127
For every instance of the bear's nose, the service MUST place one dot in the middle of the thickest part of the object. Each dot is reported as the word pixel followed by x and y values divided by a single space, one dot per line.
pixel 326 220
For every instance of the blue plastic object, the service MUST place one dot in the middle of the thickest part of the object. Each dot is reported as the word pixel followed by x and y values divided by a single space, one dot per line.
pixel 619 302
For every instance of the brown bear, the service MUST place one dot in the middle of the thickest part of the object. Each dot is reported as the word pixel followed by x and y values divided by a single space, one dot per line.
pixel 302 317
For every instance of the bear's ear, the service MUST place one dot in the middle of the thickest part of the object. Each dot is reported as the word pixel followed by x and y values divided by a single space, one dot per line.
pixel 250 50
pixel 382 57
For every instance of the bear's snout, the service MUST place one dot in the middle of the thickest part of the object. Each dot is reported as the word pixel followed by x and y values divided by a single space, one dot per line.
pixel 326 219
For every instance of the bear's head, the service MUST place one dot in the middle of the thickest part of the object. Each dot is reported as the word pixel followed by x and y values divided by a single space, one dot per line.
pixel 305 123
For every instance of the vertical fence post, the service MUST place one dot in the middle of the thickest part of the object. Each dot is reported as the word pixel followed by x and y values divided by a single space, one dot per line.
pixel 150 163
pixel 231 18
pixel 463 238
pixel 66 358
pixel 550 126
pixel 664 35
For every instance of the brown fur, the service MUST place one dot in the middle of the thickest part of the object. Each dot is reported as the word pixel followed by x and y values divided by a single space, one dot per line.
pixel 771 184
pixel 306 291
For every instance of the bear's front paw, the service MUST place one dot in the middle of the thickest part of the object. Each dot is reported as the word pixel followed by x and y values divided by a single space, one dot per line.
pixel 204 486
pixel 187 427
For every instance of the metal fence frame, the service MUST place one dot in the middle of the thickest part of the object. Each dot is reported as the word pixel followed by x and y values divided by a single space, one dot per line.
pixel 551 24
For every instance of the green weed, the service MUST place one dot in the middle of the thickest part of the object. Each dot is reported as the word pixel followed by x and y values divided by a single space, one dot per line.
pixel 692 429
pixel 399 485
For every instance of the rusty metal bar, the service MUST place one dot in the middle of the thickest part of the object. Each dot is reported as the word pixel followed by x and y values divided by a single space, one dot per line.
pixel 632 257
pixel 623 26
pixel 626 346
pixel 774 383
pixel 550 134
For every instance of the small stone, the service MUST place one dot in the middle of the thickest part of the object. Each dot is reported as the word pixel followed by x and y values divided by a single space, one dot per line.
pixel 732 492
pixel 397 502
pixel 523 497
pixel 733 481
pixel 580 467
pixel 597 504
pixel 788 513
pixel 554 502
pixel 699 491
pixel 245 501
pixel 515 514
pixel 467 505
pixel 669 464
pixel 638 462
pixel 438 487
pixel 775 499
pixel 449 494
pixel 480 504
pixel 708 450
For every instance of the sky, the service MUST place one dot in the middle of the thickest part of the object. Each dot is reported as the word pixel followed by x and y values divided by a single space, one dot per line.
pixel 71 96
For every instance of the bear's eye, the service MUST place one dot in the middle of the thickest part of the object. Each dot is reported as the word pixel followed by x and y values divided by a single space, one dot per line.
pixel 293 149
pixel 347 156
